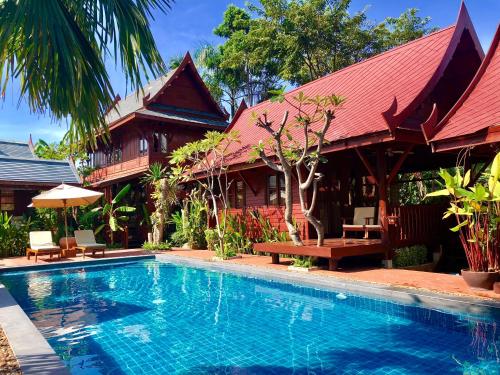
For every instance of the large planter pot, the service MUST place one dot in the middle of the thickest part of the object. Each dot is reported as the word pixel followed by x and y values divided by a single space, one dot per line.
pixel 480 280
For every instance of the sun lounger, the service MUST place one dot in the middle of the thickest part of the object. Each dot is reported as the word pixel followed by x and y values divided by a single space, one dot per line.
pixel 363 221
pixel 85 241
pixel 41 244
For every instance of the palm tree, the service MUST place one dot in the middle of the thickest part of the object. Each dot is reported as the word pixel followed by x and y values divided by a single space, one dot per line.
pixel 57 50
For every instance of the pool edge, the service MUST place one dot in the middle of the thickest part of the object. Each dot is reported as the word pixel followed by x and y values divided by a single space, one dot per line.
pixel 417 297
pixel 32 350
pixel 71 264
pixel 36 356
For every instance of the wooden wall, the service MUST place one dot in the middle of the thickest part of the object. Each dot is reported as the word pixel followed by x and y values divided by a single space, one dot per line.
pixel 184 92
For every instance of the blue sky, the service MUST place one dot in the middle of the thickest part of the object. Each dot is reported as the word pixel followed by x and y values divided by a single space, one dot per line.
pixel 190 23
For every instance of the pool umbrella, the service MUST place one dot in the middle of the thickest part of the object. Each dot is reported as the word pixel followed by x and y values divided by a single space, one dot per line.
pixel 64 196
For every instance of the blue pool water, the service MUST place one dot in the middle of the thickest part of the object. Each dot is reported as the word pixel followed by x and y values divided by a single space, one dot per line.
pixel 151 317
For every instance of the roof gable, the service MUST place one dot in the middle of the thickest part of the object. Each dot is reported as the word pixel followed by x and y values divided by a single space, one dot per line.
pixel 478 109
pixel 156 92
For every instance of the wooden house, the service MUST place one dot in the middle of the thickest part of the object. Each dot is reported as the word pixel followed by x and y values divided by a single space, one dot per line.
pixel 145 127
pixel 379 134
pixel 23 175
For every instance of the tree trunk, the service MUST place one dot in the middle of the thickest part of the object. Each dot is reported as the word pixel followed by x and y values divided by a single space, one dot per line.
pixel 319 227
pixel 294 233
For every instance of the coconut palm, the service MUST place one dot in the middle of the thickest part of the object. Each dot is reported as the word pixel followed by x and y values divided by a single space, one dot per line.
pixel 57 50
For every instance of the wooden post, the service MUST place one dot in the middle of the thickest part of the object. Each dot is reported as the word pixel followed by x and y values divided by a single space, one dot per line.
pixel 275 258
pixel 382 200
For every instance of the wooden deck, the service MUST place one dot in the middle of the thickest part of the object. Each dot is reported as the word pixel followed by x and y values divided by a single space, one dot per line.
pixel 333 249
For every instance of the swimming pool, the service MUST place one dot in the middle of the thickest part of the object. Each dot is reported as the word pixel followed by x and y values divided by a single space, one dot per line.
pixel 154 317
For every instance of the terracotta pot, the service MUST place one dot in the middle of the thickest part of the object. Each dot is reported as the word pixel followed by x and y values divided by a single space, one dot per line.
pixel 480 280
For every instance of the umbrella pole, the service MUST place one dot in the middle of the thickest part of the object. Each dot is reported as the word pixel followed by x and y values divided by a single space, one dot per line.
pixel 65 224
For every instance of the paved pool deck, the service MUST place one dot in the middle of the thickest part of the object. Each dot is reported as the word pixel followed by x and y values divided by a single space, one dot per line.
pixel 446 284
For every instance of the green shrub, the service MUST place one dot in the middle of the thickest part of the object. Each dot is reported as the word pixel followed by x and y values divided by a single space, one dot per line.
pixel 14 236
pixel 410 256
pixel 268 233
pixel 237 235
pixel 303 261
pixel 190 223
pixel 212 238
pixel 150 246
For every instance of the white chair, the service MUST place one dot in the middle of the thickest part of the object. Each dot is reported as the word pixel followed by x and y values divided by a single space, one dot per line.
pixel 41 244
pixel 85 240
pixel 363 221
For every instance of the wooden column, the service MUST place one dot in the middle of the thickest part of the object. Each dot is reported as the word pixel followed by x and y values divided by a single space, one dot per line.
pixel 382 196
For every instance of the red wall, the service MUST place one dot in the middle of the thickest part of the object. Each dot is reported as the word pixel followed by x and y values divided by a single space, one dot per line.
pixel 257 178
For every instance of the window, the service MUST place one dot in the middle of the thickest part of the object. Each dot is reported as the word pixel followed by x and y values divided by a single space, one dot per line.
pixel 117 153
pixel 237 195
pixel 160 142
pixel 240 193
pixel 143 146
pixel 276 190
pixel 6 200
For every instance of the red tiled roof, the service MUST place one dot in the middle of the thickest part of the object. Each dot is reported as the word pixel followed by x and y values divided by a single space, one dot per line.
pixel 405 74
pixel 479 107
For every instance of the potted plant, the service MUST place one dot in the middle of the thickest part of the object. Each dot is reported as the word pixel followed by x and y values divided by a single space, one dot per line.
pixel 476 209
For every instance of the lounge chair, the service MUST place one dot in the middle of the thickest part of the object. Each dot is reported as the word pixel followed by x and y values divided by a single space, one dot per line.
pixel 41 244
pixel 363 221
pixel 85 241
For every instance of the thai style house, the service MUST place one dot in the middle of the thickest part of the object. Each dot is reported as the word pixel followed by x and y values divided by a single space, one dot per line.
pixel 23 175
pixel 145 127
pixel 397 103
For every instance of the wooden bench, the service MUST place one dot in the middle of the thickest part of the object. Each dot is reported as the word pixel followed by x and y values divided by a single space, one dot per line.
pixel 333 249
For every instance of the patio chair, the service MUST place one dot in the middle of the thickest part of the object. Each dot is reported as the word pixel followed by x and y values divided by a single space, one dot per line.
pixel 85 241
pixel 41 244
pixel 363 221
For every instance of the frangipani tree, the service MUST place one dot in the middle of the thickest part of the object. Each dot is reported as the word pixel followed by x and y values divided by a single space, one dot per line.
pixel 204 162
pixel 477 212
pixel 287 149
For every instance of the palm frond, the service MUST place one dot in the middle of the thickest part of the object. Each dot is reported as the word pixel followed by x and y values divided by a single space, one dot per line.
pixel 57 50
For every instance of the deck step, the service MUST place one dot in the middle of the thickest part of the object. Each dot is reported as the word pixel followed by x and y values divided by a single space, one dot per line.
pixel 496 287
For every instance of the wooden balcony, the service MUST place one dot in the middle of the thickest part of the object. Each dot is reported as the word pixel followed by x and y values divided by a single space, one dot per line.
pixel 124 169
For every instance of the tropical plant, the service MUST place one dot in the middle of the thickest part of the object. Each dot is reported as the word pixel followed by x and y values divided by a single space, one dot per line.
pixel 191 222
pixel 59 151
pixel 57 50
pixel 410 256
pixel 476 209
pixel 303 261
pixel 164 196
pixel 313 117
pixel 150 246
pixel 13 235
pixel 112 214
pixel 267 232
pixel 212 238
pixel 204 161
pixel 238 234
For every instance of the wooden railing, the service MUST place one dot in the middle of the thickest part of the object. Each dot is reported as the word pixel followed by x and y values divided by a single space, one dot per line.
pixel 117 170
pixel 418 224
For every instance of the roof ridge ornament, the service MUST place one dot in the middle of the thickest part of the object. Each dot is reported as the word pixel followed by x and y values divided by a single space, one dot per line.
pixel 391 118
pixel 428 127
